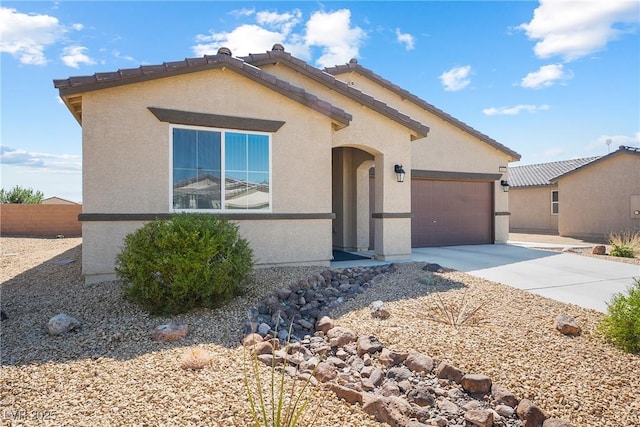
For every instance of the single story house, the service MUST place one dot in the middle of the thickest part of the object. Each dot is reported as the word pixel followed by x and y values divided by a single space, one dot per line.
pixel 304 160
pixel 57 201
pixel 587 198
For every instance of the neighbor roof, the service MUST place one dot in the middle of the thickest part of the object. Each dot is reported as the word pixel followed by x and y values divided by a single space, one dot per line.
pixel 353 66
pixel 278 56
pixel 81 84
pixel 543 174
pixel 623 149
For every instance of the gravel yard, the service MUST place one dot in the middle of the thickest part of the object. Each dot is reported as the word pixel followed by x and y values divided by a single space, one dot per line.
pixel 110 372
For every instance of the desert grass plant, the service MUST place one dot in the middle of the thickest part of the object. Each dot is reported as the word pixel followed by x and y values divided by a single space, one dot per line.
pixel 624 244
pixel 272 402
pixel 621 325
pixel 455 311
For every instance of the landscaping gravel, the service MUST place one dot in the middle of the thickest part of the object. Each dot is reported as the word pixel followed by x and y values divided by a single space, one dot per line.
pixel 111 372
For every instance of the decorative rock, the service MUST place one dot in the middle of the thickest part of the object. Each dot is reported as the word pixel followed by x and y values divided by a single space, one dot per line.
pixel 421 396
pixel 502 396
pixel 479 417
pixel 381 314
pixel 251 339
pixel 392 358
pixel 170 332
pixel 325 372
pixel 419 363
pixel 348 394
pixel 530 414
pixel 448 372
pixel 368 344
pixel 567 325
pixel 476 383
pixel 62 323
pixel 324 324
pixel 447 406
pixel 399 373
pixel 262 347
pixel 599 250
pixel 263 329
pixel 340 336
pixel 505 411
pixel 391 410
pixel 432 267
pixel 556 422
pixel 377 376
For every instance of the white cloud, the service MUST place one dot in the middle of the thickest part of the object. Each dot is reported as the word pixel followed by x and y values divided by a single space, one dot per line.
pixel 456 78
pixel 330 31
pixel 546 76
pixel 333 33
pixel 515 110
pixel 58 162
pixel 27 36
pixel 573 29
pixel 74 56
pixel 242 40
pixel 405 38
pixel 242 12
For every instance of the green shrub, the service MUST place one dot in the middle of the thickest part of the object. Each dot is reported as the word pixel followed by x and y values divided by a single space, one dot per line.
pixel 622 323
pixel 192 260
pixel 21 195
pixel 622 251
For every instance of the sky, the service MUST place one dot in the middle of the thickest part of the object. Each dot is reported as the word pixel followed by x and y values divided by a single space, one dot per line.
pixel 550 79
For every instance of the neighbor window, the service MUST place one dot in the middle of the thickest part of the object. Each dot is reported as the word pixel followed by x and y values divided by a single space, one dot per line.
pixel 220 170
pixel 555 203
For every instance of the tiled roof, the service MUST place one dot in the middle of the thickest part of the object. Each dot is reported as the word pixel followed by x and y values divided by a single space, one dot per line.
pixel 280 56
pixel 623 149
pixel 542 174
pixel 354 66
pixel 81 84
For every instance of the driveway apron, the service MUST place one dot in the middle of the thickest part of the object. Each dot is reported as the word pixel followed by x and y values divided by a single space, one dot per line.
pixel 585 281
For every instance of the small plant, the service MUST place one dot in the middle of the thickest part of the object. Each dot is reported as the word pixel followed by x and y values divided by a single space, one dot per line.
pixel 621 326
pixel 272 404
pixel 624 244
pixel 21 195
pixel 195 358
pixel 622 251
pixel 454 312
pixel 192 260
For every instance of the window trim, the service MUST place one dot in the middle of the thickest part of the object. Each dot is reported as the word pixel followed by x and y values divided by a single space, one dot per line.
pixel 556 203
pixel 223 169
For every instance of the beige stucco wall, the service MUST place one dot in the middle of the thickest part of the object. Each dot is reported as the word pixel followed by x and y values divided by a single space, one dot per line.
pixel 126 158
pixel 446 148
pixel 531 210
pixel 596 200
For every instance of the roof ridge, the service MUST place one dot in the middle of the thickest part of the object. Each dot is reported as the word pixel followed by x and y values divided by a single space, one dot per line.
pixel 354 66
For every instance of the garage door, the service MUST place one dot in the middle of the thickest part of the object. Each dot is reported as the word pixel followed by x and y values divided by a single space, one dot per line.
pixel 451 212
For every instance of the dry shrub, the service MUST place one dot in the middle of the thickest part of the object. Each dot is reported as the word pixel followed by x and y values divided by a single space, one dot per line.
pixel 196 358
pixel 626 242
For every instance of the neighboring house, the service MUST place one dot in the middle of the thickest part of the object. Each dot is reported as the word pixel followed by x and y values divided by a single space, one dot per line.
pixel 586 198
pixel 57 201
pixel 286 151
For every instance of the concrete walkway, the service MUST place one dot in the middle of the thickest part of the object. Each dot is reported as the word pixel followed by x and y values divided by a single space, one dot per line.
pixel 585 281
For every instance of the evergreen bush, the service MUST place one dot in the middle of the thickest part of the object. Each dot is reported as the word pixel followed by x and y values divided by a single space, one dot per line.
pixel 192 260
pixel 621 326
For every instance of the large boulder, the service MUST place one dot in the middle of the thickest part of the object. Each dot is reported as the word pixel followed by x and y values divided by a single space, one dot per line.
pixel 62 323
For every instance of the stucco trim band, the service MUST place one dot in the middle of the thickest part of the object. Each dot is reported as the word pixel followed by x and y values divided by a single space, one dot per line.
pixel 215 120
pixel 391 215
pixel 116 217
pixel 455 176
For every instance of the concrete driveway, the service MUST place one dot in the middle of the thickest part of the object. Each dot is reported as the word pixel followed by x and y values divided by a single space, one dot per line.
pixel 585 281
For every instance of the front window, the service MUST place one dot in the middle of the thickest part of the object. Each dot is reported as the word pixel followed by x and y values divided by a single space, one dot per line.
pixel 220 170
pixel 555 203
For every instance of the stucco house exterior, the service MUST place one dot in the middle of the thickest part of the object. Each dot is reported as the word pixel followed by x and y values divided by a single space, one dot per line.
pixel 303 160
pixel 588 198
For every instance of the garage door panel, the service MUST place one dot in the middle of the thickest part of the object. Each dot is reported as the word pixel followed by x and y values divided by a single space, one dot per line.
pixel 451 212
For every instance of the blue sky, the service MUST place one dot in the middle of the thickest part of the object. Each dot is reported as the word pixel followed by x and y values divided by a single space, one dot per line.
pixel 552 80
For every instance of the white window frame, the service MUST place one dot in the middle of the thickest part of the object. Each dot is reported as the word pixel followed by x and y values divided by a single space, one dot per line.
pixel 222 170
pixel 555 203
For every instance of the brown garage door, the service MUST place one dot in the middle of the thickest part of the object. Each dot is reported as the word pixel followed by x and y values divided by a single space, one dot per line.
pixel 451 213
